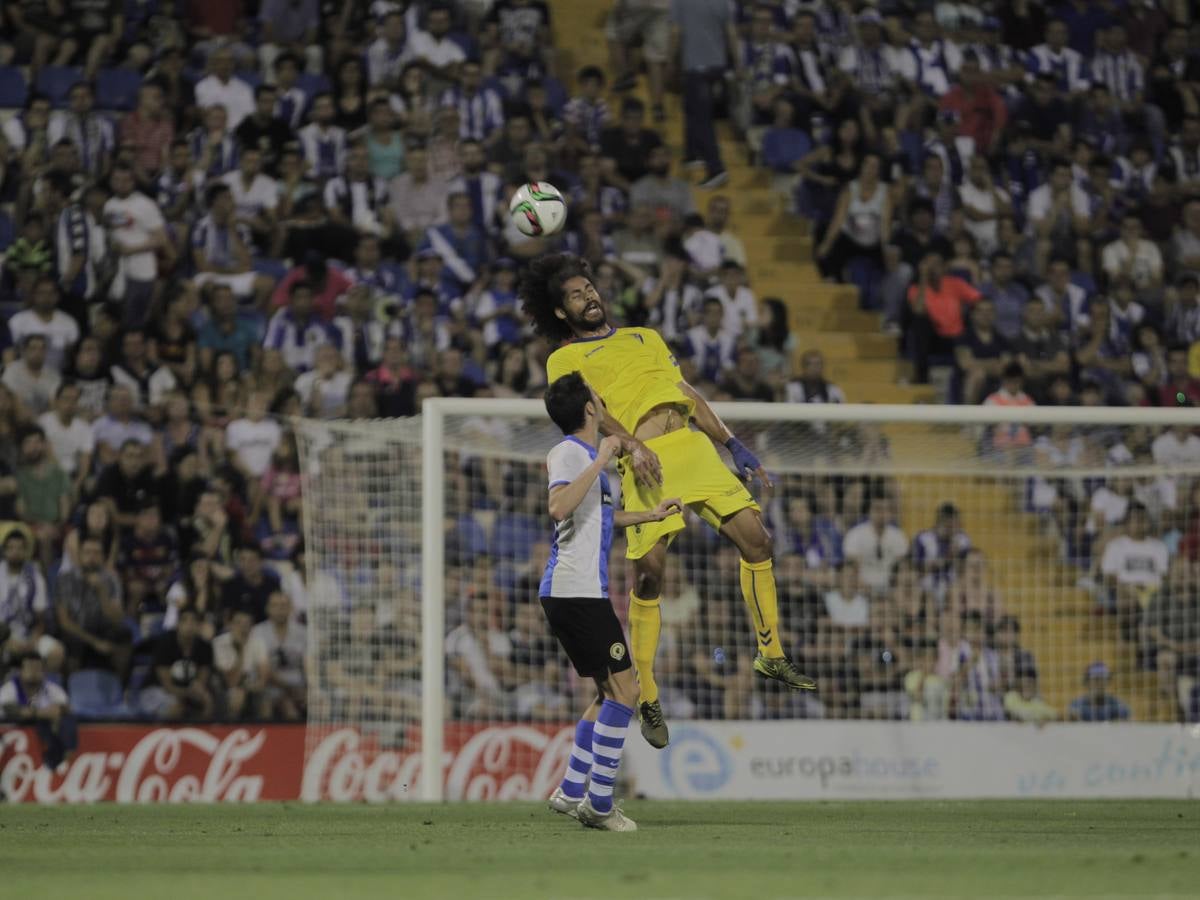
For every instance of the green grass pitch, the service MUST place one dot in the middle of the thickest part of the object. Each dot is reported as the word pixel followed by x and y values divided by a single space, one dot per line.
pixel 683 850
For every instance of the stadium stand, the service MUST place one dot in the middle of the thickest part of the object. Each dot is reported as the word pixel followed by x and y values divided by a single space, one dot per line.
pixel 242 219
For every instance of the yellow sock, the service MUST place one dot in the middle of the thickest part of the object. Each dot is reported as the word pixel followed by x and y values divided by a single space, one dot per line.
pixel 645 622
pixel 758 590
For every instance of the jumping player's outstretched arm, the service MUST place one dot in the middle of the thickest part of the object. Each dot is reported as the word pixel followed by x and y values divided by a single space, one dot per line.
pixel 646 467
pixel 718 432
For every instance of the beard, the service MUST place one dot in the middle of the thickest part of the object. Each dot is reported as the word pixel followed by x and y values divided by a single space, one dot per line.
pixel 591 318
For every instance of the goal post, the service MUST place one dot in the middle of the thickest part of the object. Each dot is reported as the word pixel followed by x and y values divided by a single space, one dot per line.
pixel 447 513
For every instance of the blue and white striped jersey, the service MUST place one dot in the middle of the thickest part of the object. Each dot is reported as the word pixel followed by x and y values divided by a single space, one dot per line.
pixel 578 565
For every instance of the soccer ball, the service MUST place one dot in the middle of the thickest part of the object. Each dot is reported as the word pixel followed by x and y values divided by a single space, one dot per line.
pixel 538 209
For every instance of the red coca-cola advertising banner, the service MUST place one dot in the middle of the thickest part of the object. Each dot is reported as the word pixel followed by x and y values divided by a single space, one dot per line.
pixel 248 763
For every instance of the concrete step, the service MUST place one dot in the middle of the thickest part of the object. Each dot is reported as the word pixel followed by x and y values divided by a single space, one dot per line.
pixel 808 295
pixel 760 268
pixel 818 319
pixel 746 203
pixel 845 345
pixel 753 229
pixel 795 248
pixel 877 370
pixel 862 391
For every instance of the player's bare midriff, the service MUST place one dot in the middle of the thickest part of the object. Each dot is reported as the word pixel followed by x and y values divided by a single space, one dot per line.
pixel 660 420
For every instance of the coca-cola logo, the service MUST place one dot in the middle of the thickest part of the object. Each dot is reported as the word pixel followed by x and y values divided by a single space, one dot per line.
pixel 149 764
pixel 498 762
pixel 172 765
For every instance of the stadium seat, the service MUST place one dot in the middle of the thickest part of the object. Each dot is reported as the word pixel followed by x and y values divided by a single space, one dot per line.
pixel 251 78
pixel 117 88
pixel 96 694
pixel 56 82
pixel 13 87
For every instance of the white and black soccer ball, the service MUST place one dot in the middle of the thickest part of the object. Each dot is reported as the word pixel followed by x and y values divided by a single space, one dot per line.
pixel 538 209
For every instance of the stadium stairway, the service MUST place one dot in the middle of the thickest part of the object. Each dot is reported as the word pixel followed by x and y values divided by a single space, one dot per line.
pixel 778 247
pixel 1057 621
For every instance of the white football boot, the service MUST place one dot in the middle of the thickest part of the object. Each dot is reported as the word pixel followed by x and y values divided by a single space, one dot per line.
pixel 613 820
pixel 561 803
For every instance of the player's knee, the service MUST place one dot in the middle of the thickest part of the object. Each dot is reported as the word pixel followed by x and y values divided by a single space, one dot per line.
pixel 649 585
pixel 758 549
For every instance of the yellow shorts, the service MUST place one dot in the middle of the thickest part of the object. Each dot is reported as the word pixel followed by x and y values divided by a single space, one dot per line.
pixel 693 471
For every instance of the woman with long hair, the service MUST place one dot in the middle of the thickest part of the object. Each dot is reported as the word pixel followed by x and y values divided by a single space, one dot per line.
pixel 350 94
pixel 511 374
pixel 862 222
pixel 172 337
pixel 197 587
pixel 973 590
pixel 96 522
pixel 828 169
pixel 776 343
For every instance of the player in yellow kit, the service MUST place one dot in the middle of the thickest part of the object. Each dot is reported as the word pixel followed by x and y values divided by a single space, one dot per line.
pixel 651 408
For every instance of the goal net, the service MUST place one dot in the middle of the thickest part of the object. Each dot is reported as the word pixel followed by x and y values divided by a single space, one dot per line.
pixel 933 563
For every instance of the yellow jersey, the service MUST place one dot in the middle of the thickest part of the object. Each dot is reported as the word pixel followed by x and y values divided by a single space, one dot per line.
pixel 632 370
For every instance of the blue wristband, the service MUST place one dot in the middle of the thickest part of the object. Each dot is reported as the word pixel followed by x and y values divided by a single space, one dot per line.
pixel 745 461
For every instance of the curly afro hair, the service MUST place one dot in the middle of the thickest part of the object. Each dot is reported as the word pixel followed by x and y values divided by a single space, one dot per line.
pixel 541 291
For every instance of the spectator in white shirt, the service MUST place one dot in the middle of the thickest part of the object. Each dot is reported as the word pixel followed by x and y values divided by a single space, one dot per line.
pixel 875 546
pixel 240 658
pixel 221 88
pixel 704 248
pixel 741 308
pixel 1177 446
pixel 32 382
pixel 255 195
pixel 1058 214
pixel 138 233
pixel 1132 256
pixel 286 642
pixel 45 318
pixel 984 204
pixel 433 46
pixel 324 388
pixel 69 434
pixel 1134 565
pixel 251 440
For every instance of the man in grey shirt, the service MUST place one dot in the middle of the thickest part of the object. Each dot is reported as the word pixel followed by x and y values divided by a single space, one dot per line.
pixel 703 36
pixel 658 190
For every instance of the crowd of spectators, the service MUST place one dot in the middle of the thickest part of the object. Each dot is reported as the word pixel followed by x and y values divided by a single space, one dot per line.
pixel 218 215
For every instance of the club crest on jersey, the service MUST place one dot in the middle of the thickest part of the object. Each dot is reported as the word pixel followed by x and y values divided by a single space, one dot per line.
pixel 617 651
